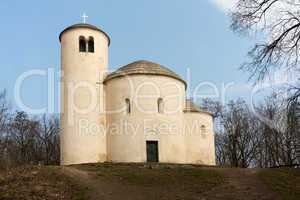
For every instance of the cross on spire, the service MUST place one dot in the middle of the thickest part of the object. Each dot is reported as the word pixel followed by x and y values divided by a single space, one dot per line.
pixel 84 17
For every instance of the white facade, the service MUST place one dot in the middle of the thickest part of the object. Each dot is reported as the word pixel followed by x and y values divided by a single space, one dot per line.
pixel 113 117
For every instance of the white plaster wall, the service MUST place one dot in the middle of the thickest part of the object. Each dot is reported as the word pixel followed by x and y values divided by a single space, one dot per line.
pixel 84 138
pixel 128 133
pixel 200 144
pixel 83 98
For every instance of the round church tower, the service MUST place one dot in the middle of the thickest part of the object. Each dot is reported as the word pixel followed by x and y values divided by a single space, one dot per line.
pixel 84 61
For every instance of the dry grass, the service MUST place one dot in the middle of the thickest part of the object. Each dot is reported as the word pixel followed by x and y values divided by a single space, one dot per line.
pixel 144 181
pixel 38 183
pixel 284 181
pixel 164 181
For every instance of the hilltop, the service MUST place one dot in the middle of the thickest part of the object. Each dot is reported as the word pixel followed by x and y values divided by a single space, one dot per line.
pixel 144 181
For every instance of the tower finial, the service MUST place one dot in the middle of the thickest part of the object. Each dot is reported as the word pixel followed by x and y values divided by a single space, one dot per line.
pixel 84 17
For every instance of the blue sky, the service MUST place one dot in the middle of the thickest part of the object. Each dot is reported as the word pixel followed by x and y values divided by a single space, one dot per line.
pixel 179 34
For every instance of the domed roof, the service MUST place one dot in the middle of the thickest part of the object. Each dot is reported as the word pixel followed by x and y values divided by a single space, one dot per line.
pixel 192 107
pixel 81 25
pixel 143 67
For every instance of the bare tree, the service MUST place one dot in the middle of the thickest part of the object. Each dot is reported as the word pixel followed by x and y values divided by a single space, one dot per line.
pixel 241 128
pixel 279 139
pixel 23 138
pixel 48 135
pixel 243 140
pixel 33 141
pixel 236 129
pixel 3 111
pixel 4 118
pixel 279 21
pixel 278 25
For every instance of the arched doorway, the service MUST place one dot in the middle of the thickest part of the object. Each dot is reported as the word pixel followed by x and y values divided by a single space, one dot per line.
pixel 152 151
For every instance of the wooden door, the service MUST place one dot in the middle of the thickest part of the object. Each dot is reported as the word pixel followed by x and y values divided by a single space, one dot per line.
pixel 152 151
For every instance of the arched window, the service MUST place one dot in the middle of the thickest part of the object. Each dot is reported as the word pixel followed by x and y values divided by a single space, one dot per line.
pixel 128 106
pixel 91 45
pixel 82 44
pixel 203 129
pixel 160 105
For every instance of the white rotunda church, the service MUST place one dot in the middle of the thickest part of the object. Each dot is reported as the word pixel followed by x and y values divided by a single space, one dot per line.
pixel 138 113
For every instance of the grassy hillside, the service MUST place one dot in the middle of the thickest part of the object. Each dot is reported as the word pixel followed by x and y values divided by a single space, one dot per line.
pixel 156 175
pixel 284 181
pixel 38 183
pixel 138 181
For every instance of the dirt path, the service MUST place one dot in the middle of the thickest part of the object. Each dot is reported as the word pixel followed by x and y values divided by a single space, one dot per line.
pixel 240 184
pixel 91 184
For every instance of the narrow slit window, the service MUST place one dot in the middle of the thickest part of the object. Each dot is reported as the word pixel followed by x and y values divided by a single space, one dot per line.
pixel 128 106
pixel 160 105
pixel 82 44
pixel 203 129
pixel 91 45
